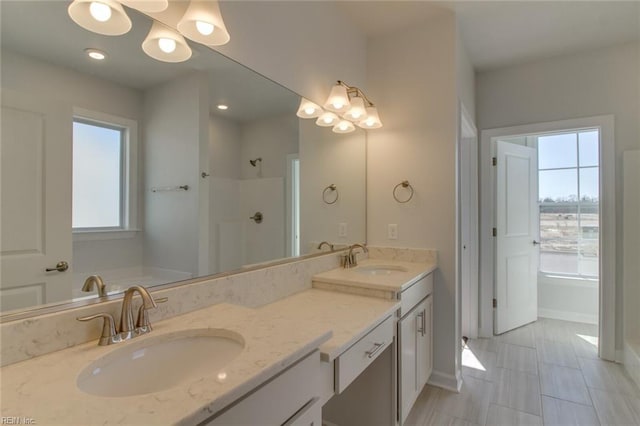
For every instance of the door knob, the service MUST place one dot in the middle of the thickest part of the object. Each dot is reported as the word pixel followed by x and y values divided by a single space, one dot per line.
pixel 536 243
pixel 60 267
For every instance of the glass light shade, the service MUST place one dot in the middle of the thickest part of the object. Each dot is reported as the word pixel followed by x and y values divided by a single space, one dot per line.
pixel 147 5
pixel 344 126
pixel 338 100
pixel 202 22
pixel 357 111
pixel 308 109
pixel 372 120
pixel 327 119
pixel 159 34
pixel 112 23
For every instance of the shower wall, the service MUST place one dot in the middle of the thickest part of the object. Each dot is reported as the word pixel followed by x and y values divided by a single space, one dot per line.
pixel 239 190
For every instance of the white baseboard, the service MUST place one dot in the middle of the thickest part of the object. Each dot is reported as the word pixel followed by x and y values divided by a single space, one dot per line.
pixel 567 316
pixel 446 381
pixel 632 361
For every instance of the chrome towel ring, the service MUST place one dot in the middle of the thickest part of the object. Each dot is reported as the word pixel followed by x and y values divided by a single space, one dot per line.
pixel 331 188
pixel 404 184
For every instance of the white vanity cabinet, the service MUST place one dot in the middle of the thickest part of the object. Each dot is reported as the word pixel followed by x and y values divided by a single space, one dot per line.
pixel 290 399
pixel 415 343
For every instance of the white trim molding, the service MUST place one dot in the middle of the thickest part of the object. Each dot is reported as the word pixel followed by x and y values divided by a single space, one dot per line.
pixel 446 381
pixel 607 291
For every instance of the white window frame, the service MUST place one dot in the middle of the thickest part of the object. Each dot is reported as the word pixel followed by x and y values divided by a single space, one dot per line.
pixel 578 203
pixel 129 225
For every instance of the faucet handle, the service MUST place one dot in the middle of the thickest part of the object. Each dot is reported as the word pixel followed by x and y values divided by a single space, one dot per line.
pixel 109 334
pixel 143 316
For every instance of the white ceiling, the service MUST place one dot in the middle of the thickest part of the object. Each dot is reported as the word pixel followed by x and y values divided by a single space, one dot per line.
pixel 502 33
pixel 43 29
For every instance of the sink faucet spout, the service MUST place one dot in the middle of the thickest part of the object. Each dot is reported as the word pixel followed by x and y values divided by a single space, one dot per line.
pixel 126 317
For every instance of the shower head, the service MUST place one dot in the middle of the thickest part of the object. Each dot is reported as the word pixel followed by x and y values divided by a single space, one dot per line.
pixel 256 161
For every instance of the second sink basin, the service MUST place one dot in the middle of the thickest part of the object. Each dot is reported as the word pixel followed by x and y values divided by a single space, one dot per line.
pixel 161 362
pixel 380 269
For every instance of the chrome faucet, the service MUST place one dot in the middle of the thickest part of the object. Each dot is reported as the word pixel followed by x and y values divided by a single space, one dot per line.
pixel 350 260
pixel 94 281
pixel 327 244
pixel 126 330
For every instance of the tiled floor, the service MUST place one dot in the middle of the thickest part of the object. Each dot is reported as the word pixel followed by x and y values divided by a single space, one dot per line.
pixel 546 373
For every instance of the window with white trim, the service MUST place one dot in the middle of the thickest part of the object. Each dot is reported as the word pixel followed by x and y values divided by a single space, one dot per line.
pixel 568 177
pixel 103 173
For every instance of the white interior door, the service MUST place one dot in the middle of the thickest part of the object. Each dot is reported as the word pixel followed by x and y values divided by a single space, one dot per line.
pixel 469 236
pixel 517 226
pixel 35 230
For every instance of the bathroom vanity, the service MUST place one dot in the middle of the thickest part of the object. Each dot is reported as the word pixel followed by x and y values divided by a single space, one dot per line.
pixel 303 359
pixel 411 283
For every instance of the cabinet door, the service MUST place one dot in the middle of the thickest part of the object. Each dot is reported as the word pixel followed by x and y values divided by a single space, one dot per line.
pixel 309 415
pixel 424 342
pixel 407 359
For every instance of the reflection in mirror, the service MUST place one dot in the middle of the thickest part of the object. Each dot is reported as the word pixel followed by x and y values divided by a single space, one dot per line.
pixel 145 172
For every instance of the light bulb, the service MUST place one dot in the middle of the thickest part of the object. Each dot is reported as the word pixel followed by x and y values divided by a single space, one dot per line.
pixel 100 11
pixel 204 28
pixel 343 126
pixel 356 115
pixel 167 45
pixel 369 122
pixel 328 119
pixel 309 110
pixel 337 105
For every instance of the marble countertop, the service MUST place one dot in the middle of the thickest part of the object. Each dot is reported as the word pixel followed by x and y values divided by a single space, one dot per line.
pixel 276 336
pixel 396 281
pixel 348 316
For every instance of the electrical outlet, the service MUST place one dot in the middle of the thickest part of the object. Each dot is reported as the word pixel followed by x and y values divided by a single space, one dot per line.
pixel 392 231
pixel 342 230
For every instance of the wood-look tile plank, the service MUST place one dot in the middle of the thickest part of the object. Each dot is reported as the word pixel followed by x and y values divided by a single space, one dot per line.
pixel 424 406
pixel 563 383
pixel 557 412
pixel 483 344
pixel 518 390
pixel 517 358
pixel 522 336
pixel 557 353
pixel 479 364
pixel 605 375
pixel 503 416
pixel 440 419
pixel 471 403
pixel 612 408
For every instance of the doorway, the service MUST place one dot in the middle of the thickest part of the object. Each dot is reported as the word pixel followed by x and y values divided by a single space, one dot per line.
pixel 574 227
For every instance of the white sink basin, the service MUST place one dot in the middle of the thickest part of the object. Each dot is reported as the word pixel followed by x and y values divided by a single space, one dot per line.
pixel 161 362
pixel 380 269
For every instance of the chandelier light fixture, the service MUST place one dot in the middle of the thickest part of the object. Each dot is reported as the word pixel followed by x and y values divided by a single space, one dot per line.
pixel 202 22
pixel 345 106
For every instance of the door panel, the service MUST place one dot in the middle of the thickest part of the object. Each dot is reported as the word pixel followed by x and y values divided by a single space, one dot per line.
pixel 407 362
pixel 36 145
pixel 517 228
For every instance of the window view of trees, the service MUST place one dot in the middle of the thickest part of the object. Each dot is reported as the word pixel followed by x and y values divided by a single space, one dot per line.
pixel 569 202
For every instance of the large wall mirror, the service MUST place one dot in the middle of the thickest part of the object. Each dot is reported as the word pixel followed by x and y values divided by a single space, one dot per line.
pixel 127 168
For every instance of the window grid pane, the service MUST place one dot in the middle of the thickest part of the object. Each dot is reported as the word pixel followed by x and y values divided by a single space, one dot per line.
pixel 97 175
pixel 569 195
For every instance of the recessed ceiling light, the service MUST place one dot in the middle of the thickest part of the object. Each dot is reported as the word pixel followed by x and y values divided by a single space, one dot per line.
pixel 96 54
pixel 223 107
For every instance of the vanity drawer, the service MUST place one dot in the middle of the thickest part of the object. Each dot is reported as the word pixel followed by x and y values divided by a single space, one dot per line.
pixel 414 294
pixel 357 358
